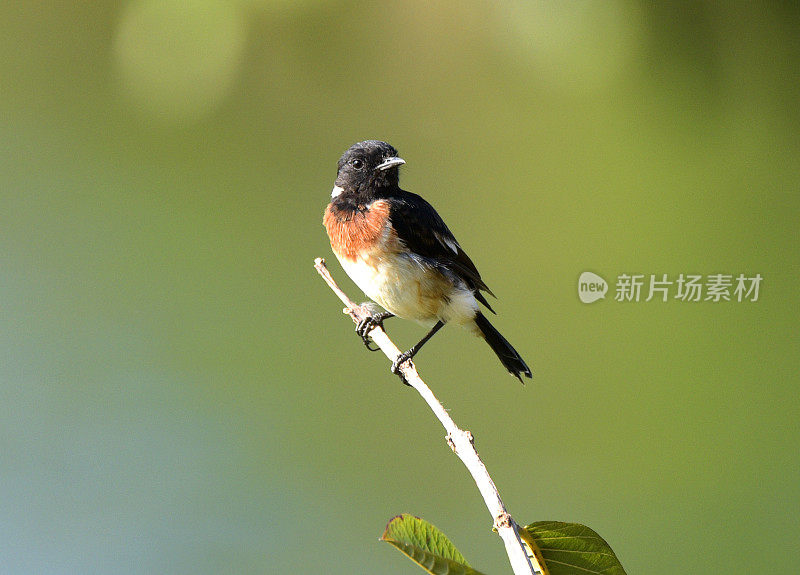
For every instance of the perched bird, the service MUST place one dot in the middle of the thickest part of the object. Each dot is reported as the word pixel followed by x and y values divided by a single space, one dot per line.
pixel 397 249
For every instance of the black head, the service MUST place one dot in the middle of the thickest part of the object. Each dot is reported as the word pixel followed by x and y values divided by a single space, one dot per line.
pixel 367 167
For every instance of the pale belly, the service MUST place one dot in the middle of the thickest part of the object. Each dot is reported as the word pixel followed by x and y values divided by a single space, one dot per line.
pixel 409 289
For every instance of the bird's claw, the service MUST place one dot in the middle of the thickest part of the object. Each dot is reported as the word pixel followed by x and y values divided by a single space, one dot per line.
pixel 398 363
pixel 366 325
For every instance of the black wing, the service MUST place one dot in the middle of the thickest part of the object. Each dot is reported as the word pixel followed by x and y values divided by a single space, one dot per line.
pixel 424 232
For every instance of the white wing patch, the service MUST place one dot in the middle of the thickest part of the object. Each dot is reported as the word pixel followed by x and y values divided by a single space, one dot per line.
pixel 449 242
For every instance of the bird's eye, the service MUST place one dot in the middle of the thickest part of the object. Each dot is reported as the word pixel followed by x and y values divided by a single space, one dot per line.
pixel 357 163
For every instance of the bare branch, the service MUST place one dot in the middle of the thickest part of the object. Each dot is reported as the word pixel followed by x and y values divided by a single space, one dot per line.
pixel 460 441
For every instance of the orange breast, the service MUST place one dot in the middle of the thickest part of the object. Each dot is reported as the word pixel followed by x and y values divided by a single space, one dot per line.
pixel 357 232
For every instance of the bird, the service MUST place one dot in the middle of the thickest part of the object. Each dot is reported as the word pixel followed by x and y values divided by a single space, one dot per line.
pixel 397 249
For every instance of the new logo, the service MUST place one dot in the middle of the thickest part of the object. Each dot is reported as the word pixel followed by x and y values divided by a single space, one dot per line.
pixel 591 287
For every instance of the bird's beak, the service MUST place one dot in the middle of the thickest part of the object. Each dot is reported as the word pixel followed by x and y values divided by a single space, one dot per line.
pixel 390 163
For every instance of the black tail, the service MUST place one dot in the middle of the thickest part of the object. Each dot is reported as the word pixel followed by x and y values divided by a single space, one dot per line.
pixel 509 357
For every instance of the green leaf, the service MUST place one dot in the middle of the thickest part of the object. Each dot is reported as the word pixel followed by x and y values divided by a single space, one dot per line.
pixel 573 549
pixel 427 546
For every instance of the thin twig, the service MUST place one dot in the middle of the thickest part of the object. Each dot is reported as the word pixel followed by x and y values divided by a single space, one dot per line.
pixel 460 441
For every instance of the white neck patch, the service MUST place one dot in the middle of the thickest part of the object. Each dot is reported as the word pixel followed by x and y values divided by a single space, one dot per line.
pixel 336 191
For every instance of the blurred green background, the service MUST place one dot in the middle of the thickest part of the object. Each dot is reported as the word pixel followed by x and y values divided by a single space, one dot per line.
pixel 179 392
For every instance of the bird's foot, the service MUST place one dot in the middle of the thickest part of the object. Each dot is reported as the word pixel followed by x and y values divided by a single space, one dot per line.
pixel 369 323
pixel 399 361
